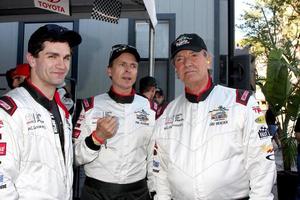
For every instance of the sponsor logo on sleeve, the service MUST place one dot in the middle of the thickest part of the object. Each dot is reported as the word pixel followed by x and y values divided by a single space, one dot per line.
pixel 270 157
pixel 263 132
pixel 2 185
pixel 8 105
pixel 267 148
pixel 2 148
pixel 5 105
pixel 260 120
pixel 256 109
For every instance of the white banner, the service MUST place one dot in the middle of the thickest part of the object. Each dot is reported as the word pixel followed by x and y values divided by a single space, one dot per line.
pixel 59 6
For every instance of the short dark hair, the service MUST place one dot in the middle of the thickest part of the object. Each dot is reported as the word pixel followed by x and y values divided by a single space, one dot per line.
pixel 51 33
pixel 146 83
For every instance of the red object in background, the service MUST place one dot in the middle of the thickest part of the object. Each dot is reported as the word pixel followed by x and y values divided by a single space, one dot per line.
pixel 21 70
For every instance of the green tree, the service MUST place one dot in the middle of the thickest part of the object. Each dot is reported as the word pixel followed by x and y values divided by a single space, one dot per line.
pixel 272 30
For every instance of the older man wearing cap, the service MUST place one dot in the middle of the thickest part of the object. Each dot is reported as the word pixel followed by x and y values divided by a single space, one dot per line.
pixel 36 153
pixel 113 134
pixel 212 142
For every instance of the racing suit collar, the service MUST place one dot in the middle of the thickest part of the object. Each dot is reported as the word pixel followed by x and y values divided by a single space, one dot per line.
pixel 202 95
pixel 121 98
pixel 37 95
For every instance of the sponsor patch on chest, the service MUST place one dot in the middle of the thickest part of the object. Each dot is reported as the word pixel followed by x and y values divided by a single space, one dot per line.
pixel 34 121
pixel 142 117
pixel 218 116
pixel 174 121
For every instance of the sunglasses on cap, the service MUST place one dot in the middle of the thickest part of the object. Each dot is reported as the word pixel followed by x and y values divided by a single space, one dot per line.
pixel 118 49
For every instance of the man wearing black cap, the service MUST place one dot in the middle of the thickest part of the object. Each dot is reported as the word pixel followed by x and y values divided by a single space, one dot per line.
pixel 36 153
pixel 113 134
pixel 212 142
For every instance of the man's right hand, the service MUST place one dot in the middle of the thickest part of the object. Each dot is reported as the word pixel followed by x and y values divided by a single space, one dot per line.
pixel 106 127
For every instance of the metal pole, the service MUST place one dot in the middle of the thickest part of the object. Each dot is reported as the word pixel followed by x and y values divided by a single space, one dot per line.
pixel 151 51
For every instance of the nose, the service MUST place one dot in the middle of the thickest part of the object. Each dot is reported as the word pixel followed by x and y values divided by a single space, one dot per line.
pixel 128 68
pixel 61 63
pixel 187 62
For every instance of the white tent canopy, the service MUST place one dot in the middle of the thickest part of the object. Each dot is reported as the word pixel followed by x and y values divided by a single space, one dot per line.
pixel 24 10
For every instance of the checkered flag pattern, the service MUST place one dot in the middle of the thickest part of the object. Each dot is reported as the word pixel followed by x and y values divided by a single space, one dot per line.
pixel 107 10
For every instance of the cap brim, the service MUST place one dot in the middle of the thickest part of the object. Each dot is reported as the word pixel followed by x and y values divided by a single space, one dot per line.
pixel 72 37
pixel 192 48
pixel 127 50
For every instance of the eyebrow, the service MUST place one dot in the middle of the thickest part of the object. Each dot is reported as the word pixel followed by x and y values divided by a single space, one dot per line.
pixel 57 54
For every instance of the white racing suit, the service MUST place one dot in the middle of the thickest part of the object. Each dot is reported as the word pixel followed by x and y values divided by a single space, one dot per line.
pixel 32 165
pixel 213 147
pixel 123 159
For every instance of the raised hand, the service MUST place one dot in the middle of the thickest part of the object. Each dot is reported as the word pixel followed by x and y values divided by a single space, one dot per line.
pixel 106 127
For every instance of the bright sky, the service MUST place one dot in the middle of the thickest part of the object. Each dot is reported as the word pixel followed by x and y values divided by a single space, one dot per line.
pixel 240 7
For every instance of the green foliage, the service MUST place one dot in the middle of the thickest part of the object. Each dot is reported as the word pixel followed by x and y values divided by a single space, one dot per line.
pixel 273 32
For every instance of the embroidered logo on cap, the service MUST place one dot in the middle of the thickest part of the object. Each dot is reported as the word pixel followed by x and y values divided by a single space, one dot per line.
pixel 183 40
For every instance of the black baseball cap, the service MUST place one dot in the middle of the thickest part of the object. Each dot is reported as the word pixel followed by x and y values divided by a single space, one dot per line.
pixel 52 32
pixel 118 49
pixel 187 41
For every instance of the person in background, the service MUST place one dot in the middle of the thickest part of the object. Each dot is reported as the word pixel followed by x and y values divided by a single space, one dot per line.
pixel 272 126
pixel 147 89
pixel 211 142
pixel 161 102
pixel 36 154
pixel 9 79
pixel 17 75
pixel 113 132
pixel 21 72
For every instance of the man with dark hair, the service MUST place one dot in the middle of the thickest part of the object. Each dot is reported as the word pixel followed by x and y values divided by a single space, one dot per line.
pixel 211 142
pixel 147 89
pixel 36 155
pixel 113 133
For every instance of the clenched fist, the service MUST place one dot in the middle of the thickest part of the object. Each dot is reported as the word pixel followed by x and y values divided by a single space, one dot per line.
pixel 106 128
